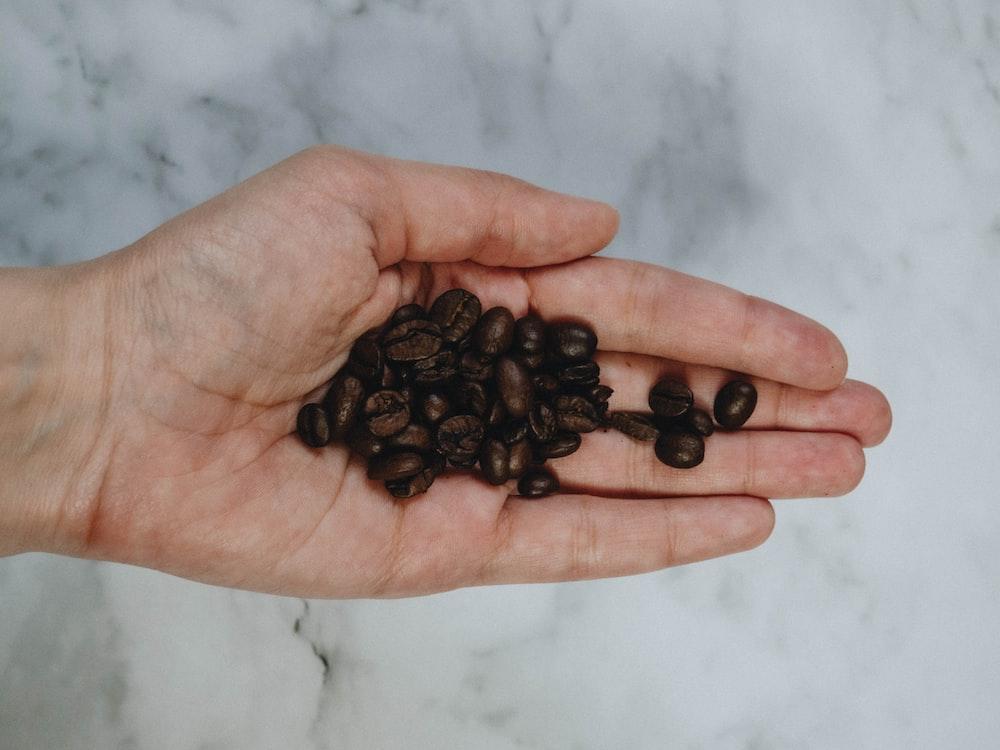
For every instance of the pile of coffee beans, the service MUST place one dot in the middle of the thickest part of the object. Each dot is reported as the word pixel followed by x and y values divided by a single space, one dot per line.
pixel 456 387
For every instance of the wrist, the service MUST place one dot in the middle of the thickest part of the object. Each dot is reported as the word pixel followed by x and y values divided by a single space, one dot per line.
pixel 53 406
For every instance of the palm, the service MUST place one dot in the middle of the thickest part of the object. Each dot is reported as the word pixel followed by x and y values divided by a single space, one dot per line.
pixel 250 304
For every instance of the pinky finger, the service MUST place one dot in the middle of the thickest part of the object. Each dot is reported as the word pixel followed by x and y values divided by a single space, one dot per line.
pixel 576 537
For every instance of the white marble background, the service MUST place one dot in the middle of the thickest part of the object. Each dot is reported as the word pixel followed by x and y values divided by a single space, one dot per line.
pixel 840 158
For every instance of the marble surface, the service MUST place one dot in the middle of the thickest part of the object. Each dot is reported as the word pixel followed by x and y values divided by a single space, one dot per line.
pixel 840 158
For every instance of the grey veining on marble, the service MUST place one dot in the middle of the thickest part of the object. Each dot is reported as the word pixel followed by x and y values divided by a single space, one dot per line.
pixel 840 158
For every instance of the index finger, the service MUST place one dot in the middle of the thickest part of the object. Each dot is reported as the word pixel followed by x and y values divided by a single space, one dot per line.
pixel 648 309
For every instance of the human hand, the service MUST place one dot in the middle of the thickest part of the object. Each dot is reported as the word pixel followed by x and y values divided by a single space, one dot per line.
pixel 215 328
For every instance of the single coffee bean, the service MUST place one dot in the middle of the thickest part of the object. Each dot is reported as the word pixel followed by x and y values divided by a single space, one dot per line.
pixel 362 442
pixel 634 425
pixel 389 466
pixel 735 403
pixel 461 434
pixel 581 374
pixel 456 312
pixel 413 437
pixel 406 313
pixel 542 422
pixel 435 368
pixel 682 450
pixel 670 398
pixel 520 458
pixel 434 407
pixel 515 386
pixel 365 360
pixel 575 414
pixel 561 445
pixel 495 331
pixel 415 485
pixel 475 366
pixel 312 426
pixel 545 384
pixel 700 422
pixel 514 431
pixel 342 403
pixel 529 335
pixel 386 413
pixel 598 394
pixel 571 342
pixel 537 482
pixel 469 396
pixel 411 341
pixel 494 460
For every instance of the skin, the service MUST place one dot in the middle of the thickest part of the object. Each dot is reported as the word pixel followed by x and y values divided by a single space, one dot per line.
pixel 148 396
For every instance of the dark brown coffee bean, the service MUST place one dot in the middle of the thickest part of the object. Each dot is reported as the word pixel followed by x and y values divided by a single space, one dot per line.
pixel 571 342
pixel 634 425
pixel 389 466
pixel 463 460
pixel 682 450
pixel 494 460
pixel 456 312
pixel 575 414
pixel 494 331
pixel 434 407
pixel 362 442
pixel 411 341
pixel 496 415
pixel 515 386
pixel 514 431
pixel 529 335
pixel 413 437
pixel 366 360
pixel 545 385
pixel 599 394
pixel 670 398
pixel 520 459
pixel 312 426
pixel 406 313
pixel 469 396
pixel 459 435
pixel 537 482
pixel 700 422
pixel 343 403
pixel 561 445
pixel 415 485
pixel 475 366
pixel 735 403
pixel 542 422
pixel 581 374
pixel 386 413
pixel 434 369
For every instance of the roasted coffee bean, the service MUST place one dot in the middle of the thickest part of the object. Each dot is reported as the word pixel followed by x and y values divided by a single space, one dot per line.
pixel 463 460
pixel 682 450
pixel 582 374
pixel 434 369
pixel 545 385
pixel 342 403
pixel 570 342
pixel 496 414
pixel 418 483
pixel 494 460
pixel 469 396
pixel 520 458
pixel 735 403
pixel 495 331
pixel 406 313
pixel 670 398
pixel 389 466
pixel 514 431
pixel 456 312
pixel 475 366
pixel 414 437
pixel 537 482
pixel 530 361
pixel 561 445
pixel 599 394
pixel 386 413
pixel 700 422
pixel 529 335
pixel 459 435
pixel 411 341
pixel 634 425
pixel 366 359
pixel 434 407
pixel 542 422
pixel 362 442
pixel 515 386
pixel 312 426
pixel 575 414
